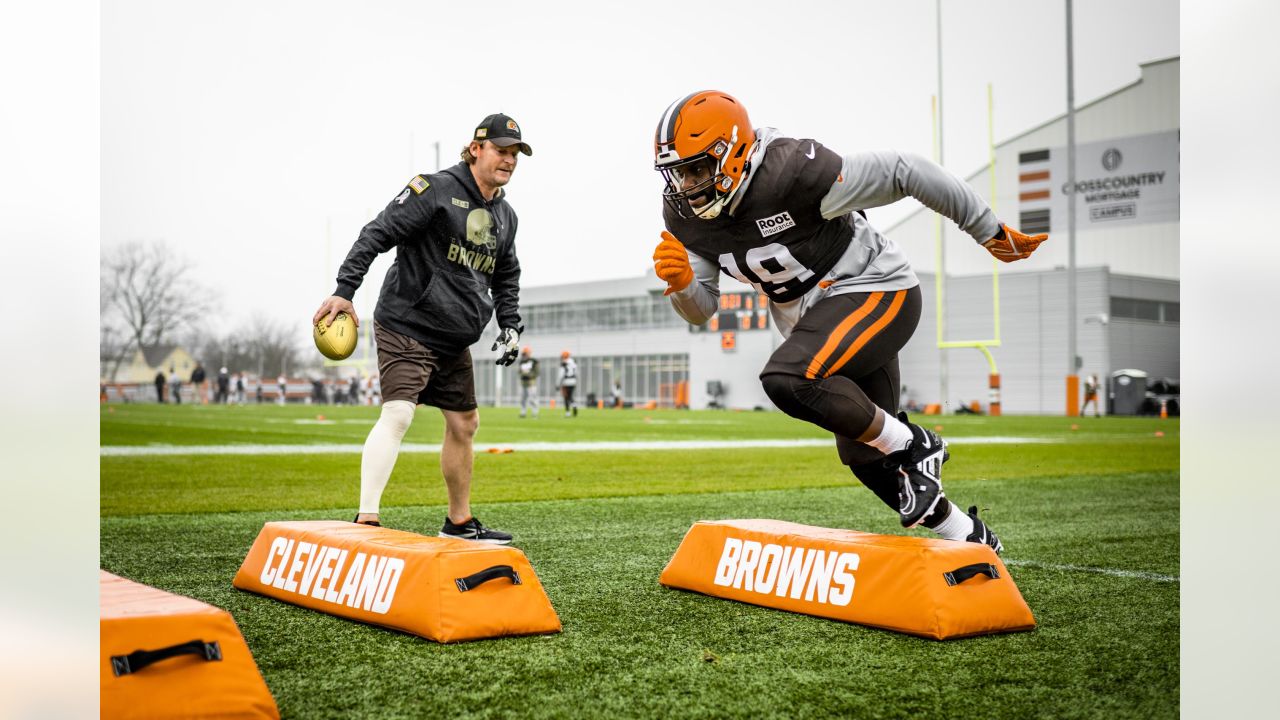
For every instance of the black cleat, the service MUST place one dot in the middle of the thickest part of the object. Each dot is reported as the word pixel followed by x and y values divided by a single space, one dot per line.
pixel 920 484
pixel 982 533
pixel 370 523
pixel 474 530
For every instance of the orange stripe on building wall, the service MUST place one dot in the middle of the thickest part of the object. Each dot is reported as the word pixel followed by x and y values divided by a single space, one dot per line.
pixel 1028 177
pixel 837 336
pixel 898 298
pixel 1037 195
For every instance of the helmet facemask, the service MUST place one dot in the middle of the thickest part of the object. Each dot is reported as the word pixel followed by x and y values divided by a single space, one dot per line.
pixel 697 186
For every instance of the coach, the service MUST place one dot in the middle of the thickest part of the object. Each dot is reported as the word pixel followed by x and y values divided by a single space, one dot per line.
pixel 455 265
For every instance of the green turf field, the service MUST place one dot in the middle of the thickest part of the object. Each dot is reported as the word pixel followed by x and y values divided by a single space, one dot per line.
pixel 1089 520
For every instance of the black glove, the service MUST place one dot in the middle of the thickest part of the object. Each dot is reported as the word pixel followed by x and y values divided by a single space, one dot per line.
pixel 509 342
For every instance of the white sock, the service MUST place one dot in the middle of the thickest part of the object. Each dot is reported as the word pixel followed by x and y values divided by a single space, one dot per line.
pixel 380 451
pixel 894 436
pixel 957 526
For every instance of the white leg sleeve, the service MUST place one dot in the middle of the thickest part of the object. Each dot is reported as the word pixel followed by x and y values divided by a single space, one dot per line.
pixel 380 451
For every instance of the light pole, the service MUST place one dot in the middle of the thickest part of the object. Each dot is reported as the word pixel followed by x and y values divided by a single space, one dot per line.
pixel 1073 380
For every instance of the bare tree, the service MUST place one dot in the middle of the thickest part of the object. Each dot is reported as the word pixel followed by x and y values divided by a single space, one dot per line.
pixel 274 345
pixel 233 350
pixel 147 297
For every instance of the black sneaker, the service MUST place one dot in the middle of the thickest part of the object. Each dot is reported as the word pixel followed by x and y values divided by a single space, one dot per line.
pixel 474 530
pixel 920 484
pixel 370 523
pixel 982 533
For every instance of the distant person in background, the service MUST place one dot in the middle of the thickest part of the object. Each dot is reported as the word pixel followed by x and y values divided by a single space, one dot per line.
pixel 617 394
pixel 239 388
pixel 375 390
pixel 159 386
pixel 197 381
pixel 567 381
pixel 224 386
pixel 283 382
pixel 353 391
pixel 528 382
pixel 258 393
pixel 1091 395
pixel 175 385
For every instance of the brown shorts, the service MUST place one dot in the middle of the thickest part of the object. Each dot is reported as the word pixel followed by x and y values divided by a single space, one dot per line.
pixel 414 372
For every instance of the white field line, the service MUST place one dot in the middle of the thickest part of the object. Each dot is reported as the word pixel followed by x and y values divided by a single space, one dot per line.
pixel 1096 570
pixel 136 450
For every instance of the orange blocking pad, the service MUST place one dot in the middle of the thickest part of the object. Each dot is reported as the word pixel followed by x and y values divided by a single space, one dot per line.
pixel 933 588
pixel 166 656
pixel 439 588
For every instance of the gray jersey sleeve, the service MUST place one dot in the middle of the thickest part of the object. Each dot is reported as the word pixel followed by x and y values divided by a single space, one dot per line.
pixel 700 300
pixel 872 179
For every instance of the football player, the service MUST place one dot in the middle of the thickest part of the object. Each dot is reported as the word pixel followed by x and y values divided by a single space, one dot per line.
pixel 567 381
pixel 528 382
pixel 785 216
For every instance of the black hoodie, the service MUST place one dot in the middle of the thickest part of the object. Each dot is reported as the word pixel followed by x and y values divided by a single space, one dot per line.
pixel 455 263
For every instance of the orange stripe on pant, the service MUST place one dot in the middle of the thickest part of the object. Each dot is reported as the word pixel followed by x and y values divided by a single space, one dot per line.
pixel 837 336
pixel 898 298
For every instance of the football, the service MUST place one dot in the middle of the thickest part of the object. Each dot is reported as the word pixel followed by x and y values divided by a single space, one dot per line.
pixel 336 341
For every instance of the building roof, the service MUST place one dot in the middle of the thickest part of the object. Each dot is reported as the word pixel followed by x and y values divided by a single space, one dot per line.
pixel 1055 119
pixel 155 354
pixel 1079 107
pixel 591 290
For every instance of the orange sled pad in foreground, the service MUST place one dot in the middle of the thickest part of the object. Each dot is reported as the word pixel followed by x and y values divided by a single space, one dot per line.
pixel 439 588
pixel 933 588
pixel 169 656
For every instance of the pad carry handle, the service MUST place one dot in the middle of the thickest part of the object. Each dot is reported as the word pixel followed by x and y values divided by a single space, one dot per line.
pixel 960 574
pixel 139 659
pixel 473 581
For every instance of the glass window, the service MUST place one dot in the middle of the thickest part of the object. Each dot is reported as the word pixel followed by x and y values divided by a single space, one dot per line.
pixel 1140 309
pixel 608 314
pixel 644 378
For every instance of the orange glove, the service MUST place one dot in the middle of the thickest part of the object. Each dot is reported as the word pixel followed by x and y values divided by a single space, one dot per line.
pixel 671 261
pixel 1014 245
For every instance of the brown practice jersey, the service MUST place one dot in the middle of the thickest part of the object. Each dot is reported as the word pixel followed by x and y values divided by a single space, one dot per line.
pixel 775 237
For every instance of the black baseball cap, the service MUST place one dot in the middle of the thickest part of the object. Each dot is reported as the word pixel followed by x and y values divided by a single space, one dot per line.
pixel 502 131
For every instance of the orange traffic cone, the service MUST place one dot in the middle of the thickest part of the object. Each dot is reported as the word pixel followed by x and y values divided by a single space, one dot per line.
pixel 1164 410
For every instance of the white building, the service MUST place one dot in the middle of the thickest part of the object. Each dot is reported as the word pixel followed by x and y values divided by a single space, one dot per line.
pixel 1127 284
pixel 1127 242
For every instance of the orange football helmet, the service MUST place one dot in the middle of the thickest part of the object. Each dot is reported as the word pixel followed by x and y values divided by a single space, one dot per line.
pixel 701 148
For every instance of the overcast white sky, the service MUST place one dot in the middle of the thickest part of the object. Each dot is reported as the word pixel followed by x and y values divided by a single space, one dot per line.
pixel 257 138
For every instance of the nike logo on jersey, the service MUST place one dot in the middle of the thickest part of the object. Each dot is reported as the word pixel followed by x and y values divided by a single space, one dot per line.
pixel 811 152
